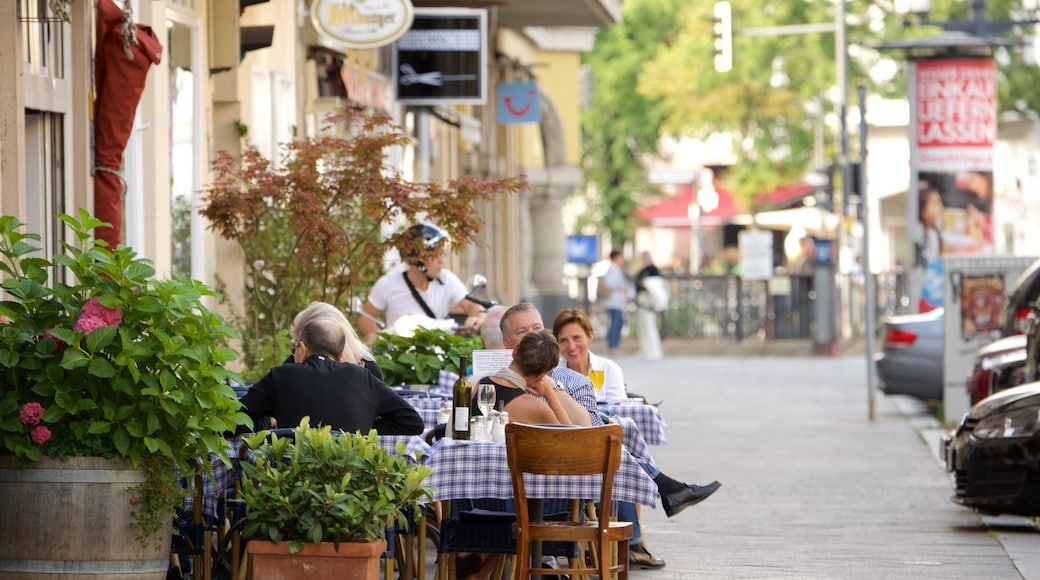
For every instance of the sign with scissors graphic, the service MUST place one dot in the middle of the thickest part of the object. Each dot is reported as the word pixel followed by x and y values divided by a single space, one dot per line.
pixel 518 103
pixel 442 58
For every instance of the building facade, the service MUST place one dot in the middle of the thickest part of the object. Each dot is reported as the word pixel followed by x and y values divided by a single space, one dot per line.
pixel 257 72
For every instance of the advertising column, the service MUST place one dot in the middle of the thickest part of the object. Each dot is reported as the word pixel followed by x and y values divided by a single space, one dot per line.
pixel 953 129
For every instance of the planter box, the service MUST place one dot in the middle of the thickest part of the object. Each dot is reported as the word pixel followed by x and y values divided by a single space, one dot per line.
pixel 353 560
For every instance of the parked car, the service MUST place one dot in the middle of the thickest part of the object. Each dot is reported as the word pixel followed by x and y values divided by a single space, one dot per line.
pixel 910 361
pixel 1015 312
pixel 994 453
pixel 997 366
pixel 1002 364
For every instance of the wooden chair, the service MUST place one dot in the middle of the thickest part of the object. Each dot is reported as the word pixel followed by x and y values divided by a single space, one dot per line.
pixel 555 452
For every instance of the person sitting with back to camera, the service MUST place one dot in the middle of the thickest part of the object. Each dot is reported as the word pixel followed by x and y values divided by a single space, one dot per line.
pixel 343 396
pixel 519 385
pixel 424 288
pixel 355 351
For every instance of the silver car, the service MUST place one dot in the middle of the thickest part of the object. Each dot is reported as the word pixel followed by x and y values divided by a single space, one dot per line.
pixel 911 359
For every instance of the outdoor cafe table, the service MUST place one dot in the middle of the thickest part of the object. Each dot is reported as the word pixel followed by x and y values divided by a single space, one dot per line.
pixel 647 417
pixel 479 469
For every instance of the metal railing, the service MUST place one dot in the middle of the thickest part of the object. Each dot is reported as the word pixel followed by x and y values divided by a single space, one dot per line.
pixel 730 308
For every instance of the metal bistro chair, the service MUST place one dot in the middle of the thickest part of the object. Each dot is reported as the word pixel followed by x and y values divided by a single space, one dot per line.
pixel 578 451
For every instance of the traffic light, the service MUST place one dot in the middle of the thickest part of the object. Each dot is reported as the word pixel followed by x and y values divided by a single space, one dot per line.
pixel 722 34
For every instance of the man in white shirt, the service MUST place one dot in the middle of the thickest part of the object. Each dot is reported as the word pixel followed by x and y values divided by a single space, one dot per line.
pixel 425 288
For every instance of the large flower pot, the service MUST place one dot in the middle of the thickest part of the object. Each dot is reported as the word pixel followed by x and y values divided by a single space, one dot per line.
pixel 70 520
pixel 353 560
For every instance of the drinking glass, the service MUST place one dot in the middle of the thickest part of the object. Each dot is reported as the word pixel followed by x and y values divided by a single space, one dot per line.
pixel 596 376
pixel 485 398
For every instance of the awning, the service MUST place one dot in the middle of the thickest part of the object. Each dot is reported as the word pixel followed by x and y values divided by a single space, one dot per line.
pixel 812 219
pixel 784 197
pixel 673 211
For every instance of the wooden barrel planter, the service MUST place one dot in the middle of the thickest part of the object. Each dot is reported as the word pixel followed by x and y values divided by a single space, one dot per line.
pixel 71 520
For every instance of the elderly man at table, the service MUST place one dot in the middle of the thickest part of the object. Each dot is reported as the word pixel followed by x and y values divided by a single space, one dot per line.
pixel 342 395
pixel 676 496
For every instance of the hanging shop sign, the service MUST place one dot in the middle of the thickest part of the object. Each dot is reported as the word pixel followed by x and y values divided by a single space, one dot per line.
pixel 362 23
pixel 518 103
pixel 442 59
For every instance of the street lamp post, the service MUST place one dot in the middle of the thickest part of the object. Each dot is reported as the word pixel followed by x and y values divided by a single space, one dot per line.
pixel 916 12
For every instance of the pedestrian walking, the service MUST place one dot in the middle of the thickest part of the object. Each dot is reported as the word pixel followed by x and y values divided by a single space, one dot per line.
pixel 613 294
pixel 651 300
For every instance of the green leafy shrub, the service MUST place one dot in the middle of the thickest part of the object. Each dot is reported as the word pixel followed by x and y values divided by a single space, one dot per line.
pixel 100 359
pixel 418 359
pixel 328 487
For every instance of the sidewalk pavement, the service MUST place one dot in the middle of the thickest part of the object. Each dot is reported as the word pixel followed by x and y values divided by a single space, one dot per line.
pixel 812 487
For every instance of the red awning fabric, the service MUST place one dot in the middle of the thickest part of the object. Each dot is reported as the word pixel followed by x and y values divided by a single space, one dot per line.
pixel 120 80
pixel 783 197
pixel 673 211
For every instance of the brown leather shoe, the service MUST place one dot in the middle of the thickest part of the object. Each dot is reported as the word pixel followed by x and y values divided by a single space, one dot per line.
pixel 638 556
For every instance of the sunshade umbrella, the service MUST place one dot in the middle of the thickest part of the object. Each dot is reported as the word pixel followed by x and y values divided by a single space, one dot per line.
pixel 125 51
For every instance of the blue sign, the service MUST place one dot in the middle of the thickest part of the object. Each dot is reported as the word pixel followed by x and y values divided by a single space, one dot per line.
pixel 582 249
pixel 518 103
pixel 824 252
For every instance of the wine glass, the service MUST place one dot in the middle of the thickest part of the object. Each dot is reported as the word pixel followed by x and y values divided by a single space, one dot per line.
pixel 486 398
pixel 596 376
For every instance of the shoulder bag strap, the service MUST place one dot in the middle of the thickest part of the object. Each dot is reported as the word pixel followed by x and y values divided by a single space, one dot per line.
pixel 418 298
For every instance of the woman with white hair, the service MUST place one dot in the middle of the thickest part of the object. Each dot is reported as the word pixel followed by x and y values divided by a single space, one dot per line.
pixel 355 351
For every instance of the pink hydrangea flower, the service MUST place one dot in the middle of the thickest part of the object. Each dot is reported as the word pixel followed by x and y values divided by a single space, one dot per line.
pixel 40 434
pixel 95 316
pixel 31 413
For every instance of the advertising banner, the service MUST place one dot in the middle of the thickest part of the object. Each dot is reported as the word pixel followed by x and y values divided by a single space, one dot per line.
pixel 954 127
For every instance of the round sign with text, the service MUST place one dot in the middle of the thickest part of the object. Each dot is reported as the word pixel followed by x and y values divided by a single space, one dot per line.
pixel 362 23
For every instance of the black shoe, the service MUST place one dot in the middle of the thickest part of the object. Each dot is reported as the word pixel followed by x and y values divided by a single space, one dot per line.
pixel 638 556
pixel 677 501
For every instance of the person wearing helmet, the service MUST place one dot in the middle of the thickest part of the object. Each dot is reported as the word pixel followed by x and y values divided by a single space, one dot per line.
pixel 424 289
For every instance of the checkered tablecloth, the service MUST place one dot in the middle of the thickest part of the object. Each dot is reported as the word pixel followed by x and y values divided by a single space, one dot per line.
pixel 647 417
pixel 427 409
pixel 479 469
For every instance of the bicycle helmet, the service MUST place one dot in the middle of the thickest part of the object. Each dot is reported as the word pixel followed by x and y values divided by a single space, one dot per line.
pixel 431 236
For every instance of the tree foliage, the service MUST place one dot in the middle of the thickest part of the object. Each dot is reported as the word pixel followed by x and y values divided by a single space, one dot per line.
pixel 663 50
pixel 311 227
pixel 622 126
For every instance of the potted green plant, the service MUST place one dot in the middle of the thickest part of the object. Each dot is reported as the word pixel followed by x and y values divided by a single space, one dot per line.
pixel 321 501
pixel 418 359
pixel 104 368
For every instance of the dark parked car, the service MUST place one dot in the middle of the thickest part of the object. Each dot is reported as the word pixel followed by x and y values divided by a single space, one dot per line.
pixel 910 361
pixel 998 365
pixel 1015 313
pixel 994 454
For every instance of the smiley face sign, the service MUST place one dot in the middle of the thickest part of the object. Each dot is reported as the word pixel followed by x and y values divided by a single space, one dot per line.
pixel 518 103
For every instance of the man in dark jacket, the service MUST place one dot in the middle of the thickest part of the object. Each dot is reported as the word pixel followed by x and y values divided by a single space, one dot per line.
pixel 343 396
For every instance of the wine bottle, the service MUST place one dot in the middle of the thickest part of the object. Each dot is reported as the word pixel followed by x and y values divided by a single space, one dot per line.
pixel 462 392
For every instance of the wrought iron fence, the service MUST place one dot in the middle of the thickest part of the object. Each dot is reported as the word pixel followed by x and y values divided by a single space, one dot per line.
pixel 728 307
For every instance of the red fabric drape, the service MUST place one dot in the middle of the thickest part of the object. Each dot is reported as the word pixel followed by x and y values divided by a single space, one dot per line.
pixel 119 82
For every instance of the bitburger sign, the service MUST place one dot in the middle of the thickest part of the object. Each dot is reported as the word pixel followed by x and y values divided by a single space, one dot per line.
pixel 362 23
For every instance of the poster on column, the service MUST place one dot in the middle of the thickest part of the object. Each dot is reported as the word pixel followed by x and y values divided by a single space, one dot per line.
pixel 955 127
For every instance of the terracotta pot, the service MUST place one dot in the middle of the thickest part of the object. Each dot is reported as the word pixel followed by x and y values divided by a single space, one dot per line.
pixel 353 560
pixel 70 520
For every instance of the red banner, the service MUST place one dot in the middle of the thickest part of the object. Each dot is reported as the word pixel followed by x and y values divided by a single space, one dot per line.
pixel 956 121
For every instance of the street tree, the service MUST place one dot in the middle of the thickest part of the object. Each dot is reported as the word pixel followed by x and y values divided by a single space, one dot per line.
pixel 621 128
pixel 310 226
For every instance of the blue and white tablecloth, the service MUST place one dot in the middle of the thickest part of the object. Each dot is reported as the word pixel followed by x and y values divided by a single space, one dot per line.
pixel 647 417
pixel 479 469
